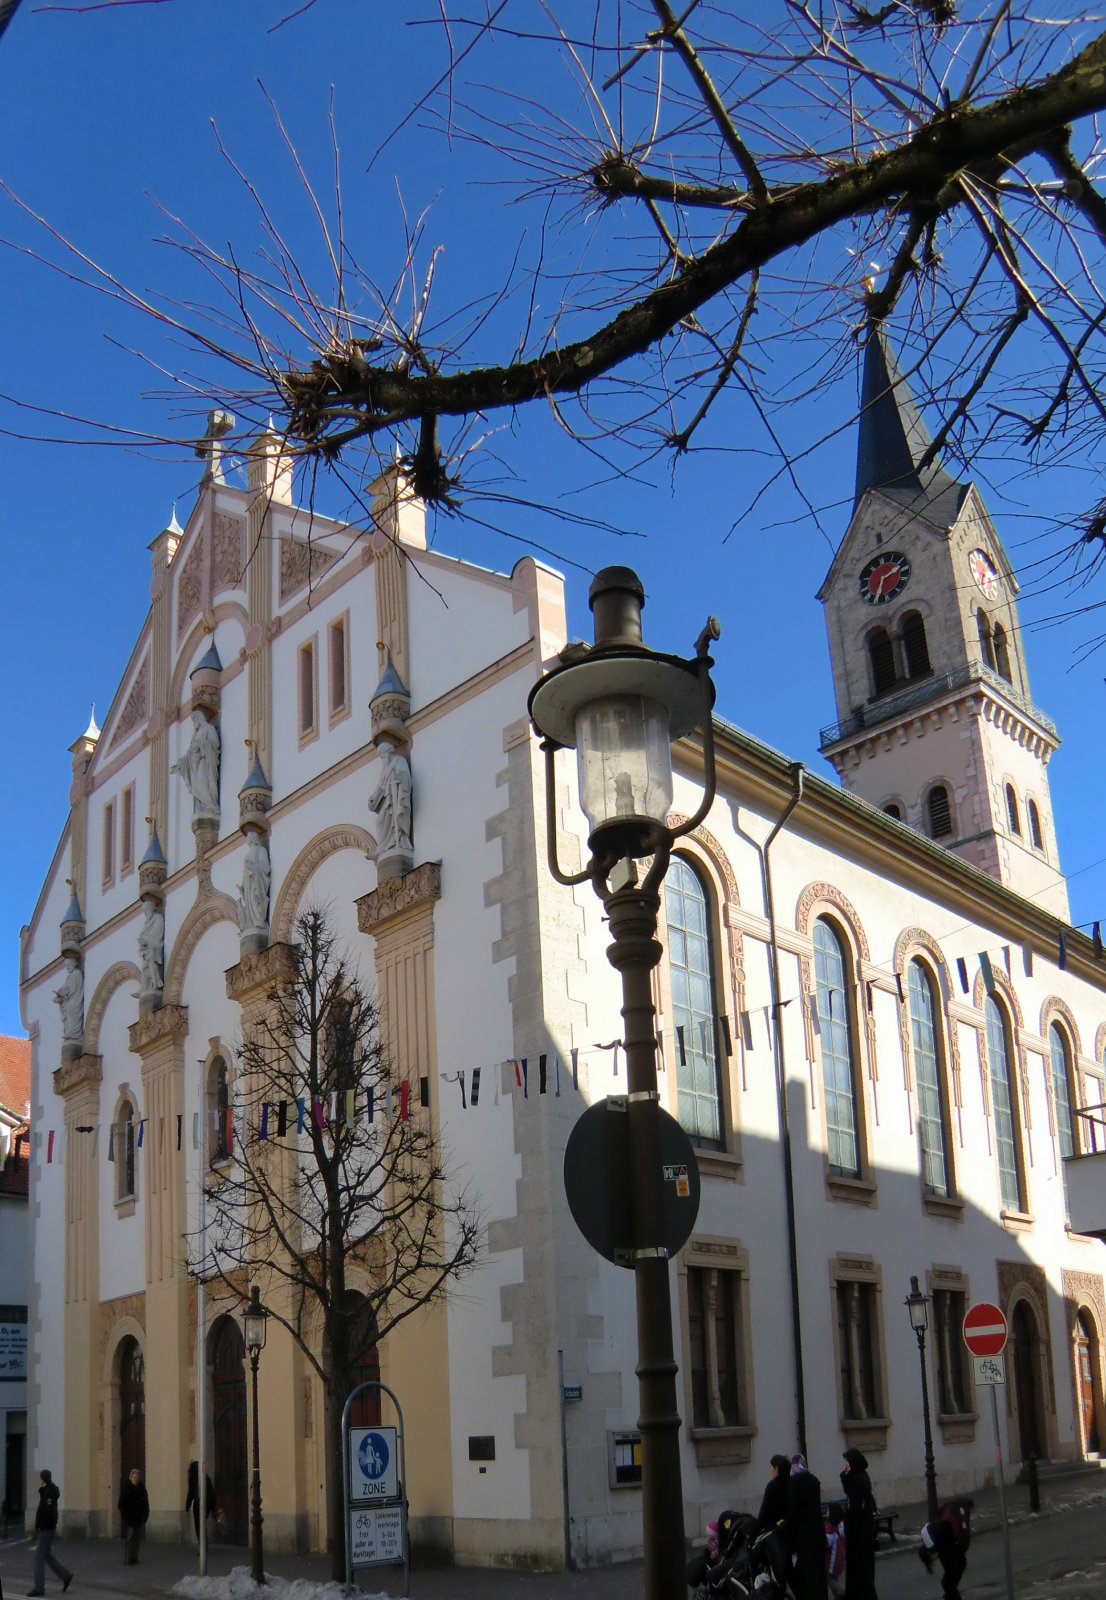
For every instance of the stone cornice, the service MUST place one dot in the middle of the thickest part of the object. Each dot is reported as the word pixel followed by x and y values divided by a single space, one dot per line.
pixel 83 1073
pixel 155 1028
pixel 396 897
pixel 261 971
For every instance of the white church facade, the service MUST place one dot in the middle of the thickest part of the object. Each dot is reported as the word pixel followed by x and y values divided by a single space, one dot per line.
pixel 875 1022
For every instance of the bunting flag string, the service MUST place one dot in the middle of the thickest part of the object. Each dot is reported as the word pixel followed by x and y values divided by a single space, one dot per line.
pixel 475 1094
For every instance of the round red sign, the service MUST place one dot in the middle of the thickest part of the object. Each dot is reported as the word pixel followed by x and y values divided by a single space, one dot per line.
pixel 985 1329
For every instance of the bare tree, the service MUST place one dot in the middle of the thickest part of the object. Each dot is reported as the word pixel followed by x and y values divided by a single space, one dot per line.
pixel 715 200
pixel 335 1195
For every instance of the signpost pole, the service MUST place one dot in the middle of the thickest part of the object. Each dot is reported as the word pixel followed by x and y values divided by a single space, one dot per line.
pixel 1002 1496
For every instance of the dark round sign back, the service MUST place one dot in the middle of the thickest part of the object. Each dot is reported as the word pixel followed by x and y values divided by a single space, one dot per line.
pixel 597 1182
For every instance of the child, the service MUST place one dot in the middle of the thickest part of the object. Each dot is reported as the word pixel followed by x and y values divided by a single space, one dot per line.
pixel 835 1549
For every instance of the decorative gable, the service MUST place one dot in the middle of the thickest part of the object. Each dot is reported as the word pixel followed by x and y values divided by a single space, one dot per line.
pixel 136 707
pixel 302 561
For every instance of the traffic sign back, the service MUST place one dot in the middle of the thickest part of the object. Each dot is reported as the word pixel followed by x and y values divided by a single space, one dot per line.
pixel 985 1329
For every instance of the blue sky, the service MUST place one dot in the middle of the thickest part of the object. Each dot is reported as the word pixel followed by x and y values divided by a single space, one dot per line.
pixel 106 130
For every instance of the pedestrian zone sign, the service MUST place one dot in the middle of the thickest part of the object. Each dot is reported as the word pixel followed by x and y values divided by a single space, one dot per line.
pixel 373 1469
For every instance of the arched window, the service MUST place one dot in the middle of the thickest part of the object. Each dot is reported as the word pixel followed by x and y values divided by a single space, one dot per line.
pixel 932 1131
pixel 939 812
pixel 838 1048
pixel 914 647
pixel 1059 1054
pixel 691 970
pixel 123 1152
pixel 1012 810
pixel 1004 1106
pixel 218 1105
pixel 986 644
pixel 1002 652
pixel 881 655
pixel 1034 825
pixel 893 809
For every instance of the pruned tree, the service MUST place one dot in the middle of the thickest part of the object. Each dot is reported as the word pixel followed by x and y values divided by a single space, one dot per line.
pixel 335 1195
pixel 714 202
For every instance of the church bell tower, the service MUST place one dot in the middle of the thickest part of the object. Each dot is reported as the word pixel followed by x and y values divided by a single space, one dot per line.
pixel 935 721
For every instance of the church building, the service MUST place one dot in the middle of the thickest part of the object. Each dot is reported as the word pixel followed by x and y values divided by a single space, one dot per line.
pixel 875 1023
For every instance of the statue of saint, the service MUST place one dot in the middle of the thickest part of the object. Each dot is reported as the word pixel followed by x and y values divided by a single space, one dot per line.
pixel 199 767
pixel 70 997
pixel 253 891
pixel 151 949
pixel 391 800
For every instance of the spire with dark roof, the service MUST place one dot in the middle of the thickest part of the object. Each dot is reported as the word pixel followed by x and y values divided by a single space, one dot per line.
pixel 893 438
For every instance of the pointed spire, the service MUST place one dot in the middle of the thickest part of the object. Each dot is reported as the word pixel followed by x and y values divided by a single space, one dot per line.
pixel 893 438
pixel 155 855
pixel 256 779
pixel 174 525
pixel 92 732
pixel 73 912
pixel 390 681
pixel 209 663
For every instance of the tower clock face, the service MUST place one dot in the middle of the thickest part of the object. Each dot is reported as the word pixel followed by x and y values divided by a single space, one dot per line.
pixel 983 570
pixel 884 577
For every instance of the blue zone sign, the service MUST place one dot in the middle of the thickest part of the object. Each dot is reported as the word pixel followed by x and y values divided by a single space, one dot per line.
pixel 373 1473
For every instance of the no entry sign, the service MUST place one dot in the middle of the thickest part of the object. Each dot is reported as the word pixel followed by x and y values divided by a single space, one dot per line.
pixel 985 1329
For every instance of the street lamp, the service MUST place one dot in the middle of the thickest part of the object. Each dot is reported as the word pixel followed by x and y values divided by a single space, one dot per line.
pixel 254 1319
pixel 622 705
pixel 917 1305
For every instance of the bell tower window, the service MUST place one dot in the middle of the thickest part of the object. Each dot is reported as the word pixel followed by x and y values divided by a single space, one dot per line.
pixel 1012 810
pixel 939 812
pixel 986 643
pixel 1035 836
pixel 881 656
pixel 914 646
pixel 1002 652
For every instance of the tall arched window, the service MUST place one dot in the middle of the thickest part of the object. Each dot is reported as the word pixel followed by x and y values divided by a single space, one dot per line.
pixel 838 1048
pixel 132 1407
pixel 218 1104
pixel 694 1007
pixel 881 655
pixel 1035 835
pixel 986 643
pixel 1059 1054
pixel 1002 651
pixel 932 1133
pixel 123 1152
pixel 1003 1104
pixel 1012 810
pixel 939 812
pixel 914 647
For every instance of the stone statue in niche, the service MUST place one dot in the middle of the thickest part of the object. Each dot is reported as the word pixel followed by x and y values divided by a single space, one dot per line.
pixel 151 949
pixel 70 997
pixel 199 767
pixel 253 891
pixel 391 800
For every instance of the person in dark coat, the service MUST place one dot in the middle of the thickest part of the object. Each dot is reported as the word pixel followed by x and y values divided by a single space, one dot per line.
pixel 192 1503
pixel 806 1533
pixel 860 1528
pixel 948 1539
pixel 134 1508
pixel 772 1517
pixel 46 1524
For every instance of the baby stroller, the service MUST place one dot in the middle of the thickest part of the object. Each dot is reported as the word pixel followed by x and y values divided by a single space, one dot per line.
pixel 735 1563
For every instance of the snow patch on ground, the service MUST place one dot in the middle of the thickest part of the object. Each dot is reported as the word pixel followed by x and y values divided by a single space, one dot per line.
pixel 239 1585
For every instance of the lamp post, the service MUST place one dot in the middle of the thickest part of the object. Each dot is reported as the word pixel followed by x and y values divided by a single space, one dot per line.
pixel 622 705
pixel 917 1305
pixel 255 1319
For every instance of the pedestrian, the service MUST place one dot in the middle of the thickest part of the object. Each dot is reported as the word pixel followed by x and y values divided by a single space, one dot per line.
pixel 835 1549
pixel 860 1528
pixel 46 1522
pixel 806 1534
pixel 948 1538
pixel 772 1518
pixel 134 1508
pixel 192 1503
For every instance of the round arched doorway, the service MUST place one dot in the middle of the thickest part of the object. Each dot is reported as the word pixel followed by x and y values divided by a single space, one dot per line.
pixel 1027 1367
pixel 228 1394
pixel 132 1408
pixel 1086 1353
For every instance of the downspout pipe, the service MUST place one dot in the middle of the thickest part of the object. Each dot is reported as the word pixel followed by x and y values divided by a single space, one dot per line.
pixel 798 778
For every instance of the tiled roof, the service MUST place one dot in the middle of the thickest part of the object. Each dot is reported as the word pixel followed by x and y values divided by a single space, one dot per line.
pixel 15 1074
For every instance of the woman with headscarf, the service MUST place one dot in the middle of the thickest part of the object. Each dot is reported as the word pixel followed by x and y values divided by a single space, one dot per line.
pixel 806 1533
pixel 860 1528
pixel 772 1518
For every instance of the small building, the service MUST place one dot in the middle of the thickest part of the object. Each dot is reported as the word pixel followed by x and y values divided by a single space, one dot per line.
pixel 876 1025
pixel 15 1271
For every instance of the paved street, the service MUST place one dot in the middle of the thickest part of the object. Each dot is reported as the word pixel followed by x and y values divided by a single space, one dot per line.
pixel 1059 1555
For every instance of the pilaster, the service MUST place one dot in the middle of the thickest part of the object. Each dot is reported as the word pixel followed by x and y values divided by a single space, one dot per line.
pixel 158 1038
pixel 77 1082
pixel 162 551
pixel 269 479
